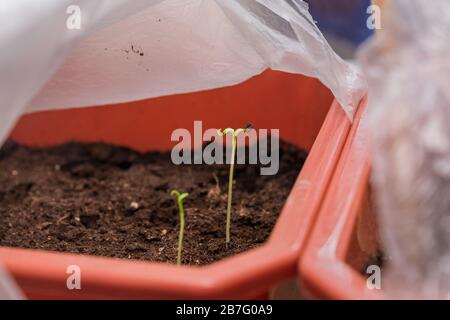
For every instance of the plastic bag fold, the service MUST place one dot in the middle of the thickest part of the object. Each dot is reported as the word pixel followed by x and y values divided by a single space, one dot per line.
pixel 130 50
pixel 9 290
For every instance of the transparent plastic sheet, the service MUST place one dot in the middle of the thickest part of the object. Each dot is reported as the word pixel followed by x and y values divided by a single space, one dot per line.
pixel 130 50
pixel 9 290
pixel 408 70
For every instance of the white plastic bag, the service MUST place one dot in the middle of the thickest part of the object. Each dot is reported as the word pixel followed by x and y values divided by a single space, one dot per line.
pixel 408 72
pixel 9 290
pixel 129 50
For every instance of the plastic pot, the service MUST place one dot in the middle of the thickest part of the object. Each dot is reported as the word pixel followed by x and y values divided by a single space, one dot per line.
pixel 300 107
pixel 344 239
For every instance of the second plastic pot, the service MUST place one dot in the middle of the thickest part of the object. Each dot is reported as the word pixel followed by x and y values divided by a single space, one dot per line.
pixel 344 240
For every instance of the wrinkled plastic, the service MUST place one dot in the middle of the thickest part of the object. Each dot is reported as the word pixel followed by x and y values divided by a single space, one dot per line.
pixel 408 70
pixel 9 290
pixel 129 50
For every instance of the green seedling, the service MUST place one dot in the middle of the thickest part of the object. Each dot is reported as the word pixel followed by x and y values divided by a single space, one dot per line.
pixel 179 200
pixel 234 134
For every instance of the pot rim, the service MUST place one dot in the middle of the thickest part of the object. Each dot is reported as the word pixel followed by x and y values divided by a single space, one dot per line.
pixel 323 269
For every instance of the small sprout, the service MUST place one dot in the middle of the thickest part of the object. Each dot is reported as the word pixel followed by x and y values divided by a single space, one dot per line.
pixel 180 198
pixel 234 134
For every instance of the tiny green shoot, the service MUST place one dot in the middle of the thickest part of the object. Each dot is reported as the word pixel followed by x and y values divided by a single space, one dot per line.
pixel 179 199
pixel 234 134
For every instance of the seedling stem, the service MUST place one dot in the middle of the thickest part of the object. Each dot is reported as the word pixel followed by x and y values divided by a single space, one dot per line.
pixel 234 134
pixel 180 198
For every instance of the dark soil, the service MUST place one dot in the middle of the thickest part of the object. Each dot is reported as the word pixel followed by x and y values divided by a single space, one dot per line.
pixel 108 201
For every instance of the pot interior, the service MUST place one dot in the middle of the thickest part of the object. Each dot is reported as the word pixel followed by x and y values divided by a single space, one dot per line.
pixel 294 104
pixel 364 248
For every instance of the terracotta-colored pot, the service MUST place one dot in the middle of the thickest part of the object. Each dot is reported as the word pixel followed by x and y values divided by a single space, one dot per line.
pixel 300 107
pixel 344 239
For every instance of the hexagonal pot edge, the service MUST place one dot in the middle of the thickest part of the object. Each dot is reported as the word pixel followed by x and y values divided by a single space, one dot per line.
pixel 324 270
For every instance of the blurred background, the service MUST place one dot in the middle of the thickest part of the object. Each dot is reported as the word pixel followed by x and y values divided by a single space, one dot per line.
pixel 344 23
